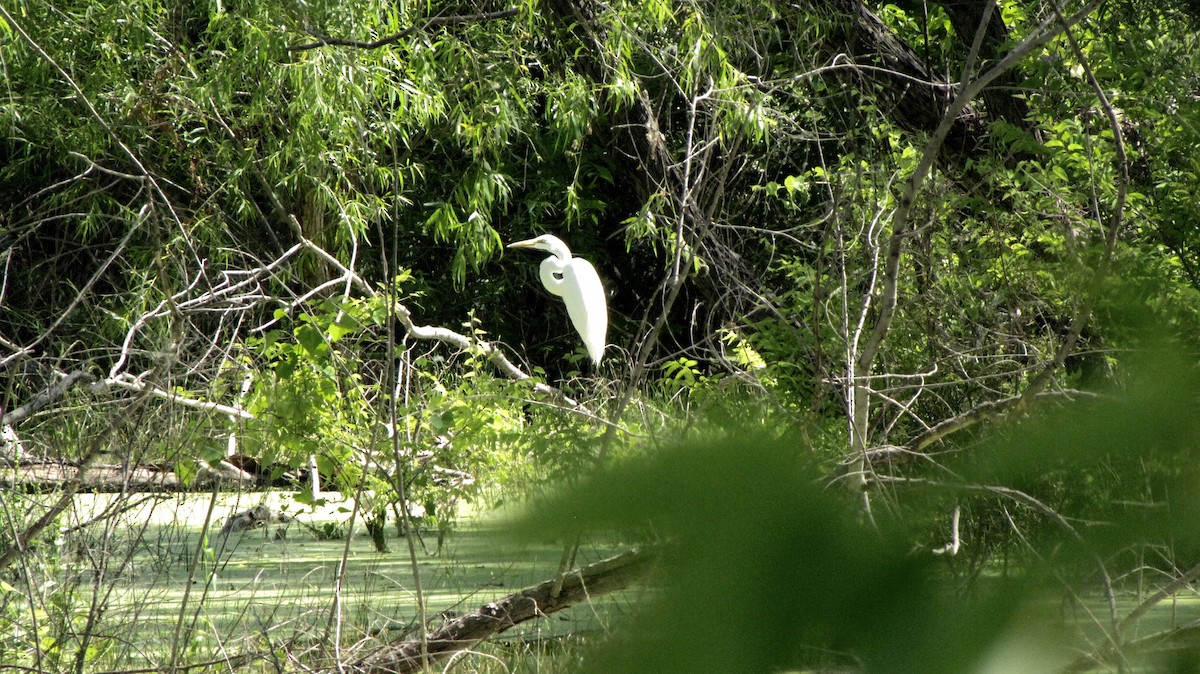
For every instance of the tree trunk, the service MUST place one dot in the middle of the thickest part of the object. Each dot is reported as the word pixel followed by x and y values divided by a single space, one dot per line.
pixel 1000 99
pixel 918 97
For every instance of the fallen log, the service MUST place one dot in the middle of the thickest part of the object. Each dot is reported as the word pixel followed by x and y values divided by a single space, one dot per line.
pixel 463 632
pixel 101 477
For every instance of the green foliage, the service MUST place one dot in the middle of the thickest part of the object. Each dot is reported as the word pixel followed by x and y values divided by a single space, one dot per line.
pixel 313 399
pixel 772 570
pixel 777 571
pixel 743 143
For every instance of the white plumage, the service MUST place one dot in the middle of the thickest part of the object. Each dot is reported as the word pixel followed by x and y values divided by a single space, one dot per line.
pixel 575 280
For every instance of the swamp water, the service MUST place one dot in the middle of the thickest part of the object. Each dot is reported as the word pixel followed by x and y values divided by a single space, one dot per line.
pixel 146 578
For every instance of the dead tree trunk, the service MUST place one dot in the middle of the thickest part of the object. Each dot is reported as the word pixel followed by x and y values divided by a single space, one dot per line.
pixel 609 575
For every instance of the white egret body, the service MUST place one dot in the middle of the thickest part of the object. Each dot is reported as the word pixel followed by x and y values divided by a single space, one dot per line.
pixel 575 280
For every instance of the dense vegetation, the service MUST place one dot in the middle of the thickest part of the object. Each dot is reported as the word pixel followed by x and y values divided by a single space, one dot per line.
pixel 884 280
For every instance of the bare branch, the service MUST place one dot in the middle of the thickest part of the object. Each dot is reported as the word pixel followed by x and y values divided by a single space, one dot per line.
pixel 862 358
pixel 132 383
pixel 45 398
pixel 327 41
pixel 988 411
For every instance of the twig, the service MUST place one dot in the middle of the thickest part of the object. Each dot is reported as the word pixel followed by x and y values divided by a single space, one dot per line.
pixel 1184 580
pixel 328 41
pixel 1170 640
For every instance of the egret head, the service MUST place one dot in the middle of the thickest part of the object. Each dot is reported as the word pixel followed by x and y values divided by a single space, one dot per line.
pixel 549 243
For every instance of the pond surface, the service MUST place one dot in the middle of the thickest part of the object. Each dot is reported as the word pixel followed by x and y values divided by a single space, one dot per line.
pixel 252 592
pixel 271 586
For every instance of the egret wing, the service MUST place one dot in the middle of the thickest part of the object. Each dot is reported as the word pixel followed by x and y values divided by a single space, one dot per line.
pixel 586 304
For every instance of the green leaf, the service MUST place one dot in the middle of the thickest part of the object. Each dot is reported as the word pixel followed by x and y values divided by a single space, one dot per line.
pixel 344 324
pixel 794 184
pixel 212 451
pixel 311 340
pixel 186 470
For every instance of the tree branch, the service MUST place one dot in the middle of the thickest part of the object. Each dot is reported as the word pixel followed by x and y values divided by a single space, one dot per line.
pixel 132 383
pixel 900 219
pixel 44 398
pixel 988 411
pixel 328 41
pixel 863 361
pixel 1116 220
pixel 995 410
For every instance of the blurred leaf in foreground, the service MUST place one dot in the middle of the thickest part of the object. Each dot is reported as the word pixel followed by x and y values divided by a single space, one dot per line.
pixel 766 570
pixel 1121 468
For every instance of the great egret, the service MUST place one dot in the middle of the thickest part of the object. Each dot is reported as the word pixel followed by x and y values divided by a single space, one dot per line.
pixel 575 280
